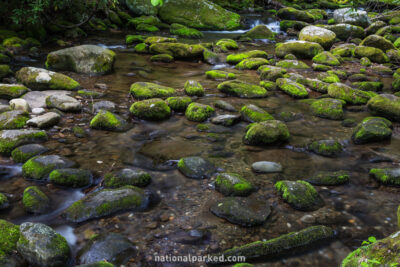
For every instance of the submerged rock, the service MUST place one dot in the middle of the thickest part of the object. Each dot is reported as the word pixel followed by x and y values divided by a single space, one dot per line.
pixel 151 109
pixel 106 120
pixel 242 211
pixel 372 129
pixel 70 177
pixel 266 132
pixel 252 113
pixel 126 177
pixel 40 245
pixel 198 112
pixel 35 201
pixel 388 176
pixel 196 167
pixel 232 184
pixel 300 195
pixel 329 178
pixel 10 139
pixel 242 89
pixel 226 120
pixel 89 59
pixel 328 108
pixel 221 104
pixel 266 167
pixel 39 167
pixel 385 105
pixel 326 148
pixel 106 202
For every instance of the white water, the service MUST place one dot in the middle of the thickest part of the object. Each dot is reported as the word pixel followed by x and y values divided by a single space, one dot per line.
pixel 7 172
pixel 112 46
pixel 67 232
pixel 273 26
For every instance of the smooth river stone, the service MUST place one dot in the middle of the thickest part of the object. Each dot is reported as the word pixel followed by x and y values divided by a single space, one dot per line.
pixel 266 167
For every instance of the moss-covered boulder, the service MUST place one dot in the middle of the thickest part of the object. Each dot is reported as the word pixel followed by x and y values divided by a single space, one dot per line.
pixel 301 49
pixel 368 86
pixel 324 37
pixel 328 77
pixel 141 7
pixel 385 105
pixel 22 153
pixel 145 90
pixel 40 245
pixel 165 58
pixel 343 31
pixel 236 58
pixel 196 167
pixel 151 109
pixel 352 16
pixel 198 112
pixel 384 252
pixel 328 108
pixel 178 50
pixel 284 244
pixel 126 177
pixel 271 73
pixel 243 211
pixel 343 50
pixel 326 58
pixel 387 176
pixel 329 178
pixel 372 129
pixel 348 94
pixel 70 177
pixel 106 202
pixel 41 79
pixel 39 167
pixel 64 103
pixel 142 48
pixel 233 184
pixel 291 13
pixel 88 59
pixel 226 119
pixel 292 88
pixel 377 42
pixel 374 54
pixel 14 119
pixel 193 88
pixel 10 91
pixel 251 63
pixel 35 201
pixel 183 31
pixel 300 195
pixel 292 64
pixel 9 235
pixel 106 120
pixel 242 89
pixel 317 85
pixel 210 57
pixel 259 32
pixel 178 103
pixel 292 24
pixel 326 148
pixel 220 75
pixel 10 139
pixel 134 39
pixel 199 14
pixel 224 45
pixel 252 113
pixel 266 132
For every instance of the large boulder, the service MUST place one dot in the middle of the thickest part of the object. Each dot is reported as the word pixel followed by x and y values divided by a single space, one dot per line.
pixel 266 132
pixel 10 139
pixel 106 202
pixel 41 79
pixel 343 31
pixel 9 233
pixel 200 14
pixel 89 59
pixel 178 50
pixel 351 16
pixel 324 37
pixel 377 42
pixel 301 49
pixel 10 91
pixel 385 105
pixel 259 32
pixel 153 109
pixel 40 245
pixel 141 7
pixel 374 54
pixel 372 129
pixel 348 94
pixel 292 88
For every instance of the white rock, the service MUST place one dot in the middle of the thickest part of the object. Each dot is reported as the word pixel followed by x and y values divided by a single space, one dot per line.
pixel 38 111
pixel 266 167
pixel 44 121
pixel 20 104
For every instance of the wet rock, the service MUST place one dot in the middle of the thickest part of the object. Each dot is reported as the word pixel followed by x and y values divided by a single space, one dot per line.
pixel 374 54
pixel 198 112
pixel 251 63
pixel 351 16
pixel 224 106
pixel 39 167
pixel 242 89
pixel 329 178
pixel 9 234
pixel 300 195
pixel 388 176
pixel 236 58
pixel 196 167
pixel 301 49
pixel 22 153
pixel 181 30
pixel 385 251
pixel 126 177
pixel 20 104
pixel 328 108
pixel 292 88
pixel 151 109
pixel 4 108
pixel 42 79
pixel 40 245
pixel 226 120
pixel 141 7
pixel 317 85
pixel 88 59
pixel 266 167
pixel 178 50
pixel 90 94
pixel 71 177
pixel 165 58
pixel 343 31
pixel 210 57
pixel 145 90
pixel 266 132
pixel 374 27
pixel 224 45
pixel 232 184
pixel 14 119
pixel 106 202
pixel 348 94
pixel 111 247
pixel 10 91
pixel 252 113
pixel 37 99
pixel 220 75
pixel 283 244
pixel 44 121
pixel 326 58
pixel 64 103
pixel 193 88
pixel 324 37
pixel 377 42
pixel 4 203
pixel 35 201
pixel 372 129
pixel 369 86
pixel 178 103
pixel 343 50
pixel 104 105
pixel 191 237
pixel 10 139
pixel 271 73
pixel 385 105
pixel 259 32
pixel 326 148
pixel 242 211
pixel 292 64
pixel 291 13
pixel 106 120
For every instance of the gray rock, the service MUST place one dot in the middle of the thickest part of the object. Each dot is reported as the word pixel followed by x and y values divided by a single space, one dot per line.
pixel 242 211
pixel 37 99
pixel 63 103
pixel 40 245
pixel 38 111
pixel 20 104
pixel 10 91
pixel 4 108
pixel 14 119
pixel 225 106
pixel 196 167
pixel 111 247
pixel 44 121
pixel 39 167
pixel 266 167
pixel 104 105
pixel 226 120
pixel 353 17
pixel 126 177
pixel 22 153
pixel 141 7
pixel 10 139
pixel 35 201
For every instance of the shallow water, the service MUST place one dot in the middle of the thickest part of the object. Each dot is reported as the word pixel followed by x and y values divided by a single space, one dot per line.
pixel 356 211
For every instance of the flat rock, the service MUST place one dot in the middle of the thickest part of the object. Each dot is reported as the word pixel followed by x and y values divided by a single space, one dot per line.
pixel 44 121
pixel 37 99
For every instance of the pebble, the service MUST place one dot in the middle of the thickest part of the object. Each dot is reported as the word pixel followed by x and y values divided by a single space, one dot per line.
pixel 266 167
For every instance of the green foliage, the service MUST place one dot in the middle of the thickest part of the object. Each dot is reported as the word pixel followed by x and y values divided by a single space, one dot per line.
pixel 157 2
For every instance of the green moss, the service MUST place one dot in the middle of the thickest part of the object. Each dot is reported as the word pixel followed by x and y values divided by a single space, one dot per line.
pixel 120 179
pixel 151 109
pixel 321 67
pixel 159 39
pixel 198 112
pixel 166 58
pixel 141 48
pixel 328 108
pixel 193 88
pixel 328 77
pixel 227 44
pixel 292 88
pixel 71 177
pixel 269 85
pixel 326 58
pixel 294 14
pixel 327 148
pixel 145 90
pixel 242 89
pixel 259 32
pixel 178 50
pixel 35 200
pixel 13 42
pixel 369 86
pixel 292 64
pixel 292 24
pixel 131 39
pixel 252 63
pixel 266 132
pixel 147 28
pixel 181 30
pixel 348 94
pixel 252 113
pixel 89 94
pixel 232 184
pixel 331 21
pixel 106 120
pixel 329 178
pixel 301 49
pixel 9 235
pixel 7 145
pixel 236 58
pixel 202 127
pixel 220 75
pixel 374 54
pixel 387 106
pixel 178 103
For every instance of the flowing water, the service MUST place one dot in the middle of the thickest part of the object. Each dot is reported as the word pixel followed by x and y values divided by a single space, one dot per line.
pixel 356 211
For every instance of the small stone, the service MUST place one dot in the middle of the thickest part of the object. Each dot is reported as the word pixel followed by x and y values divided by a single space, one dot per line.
pixel 266 167
pixel 44 121
pixel 20 104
